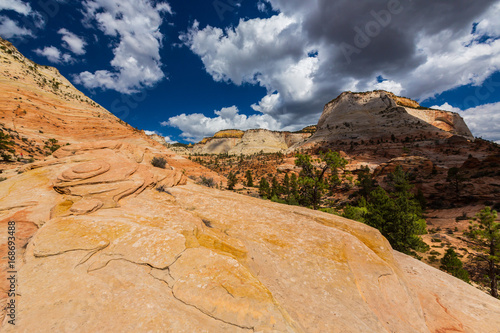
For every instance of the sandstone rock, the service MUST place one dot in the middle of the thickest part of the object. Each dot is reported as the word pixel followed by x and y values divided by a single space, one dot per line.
pixel 378 115
pixel 249 142
pixel 198 259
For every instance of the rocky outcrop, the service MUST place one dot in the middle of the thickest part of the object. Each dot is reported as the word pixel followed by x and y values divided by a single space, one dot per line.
pixel 38 104
pixel 250 142
pixel 380 115
pixel 158 138
pixel 111 253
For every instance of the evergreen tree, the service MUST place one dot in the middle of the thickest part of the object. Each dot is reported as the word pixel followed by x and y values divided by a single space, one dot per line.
pixel 453 265
pixel 312 184
pixel 276 188
pixel 365 182
pixel 293 193
pixel 484 232
pixel 398 216
pixel 249 178
pixel 231 181
pixel 456 179
pixel 334 162
pixel 264 188
pixel 285 189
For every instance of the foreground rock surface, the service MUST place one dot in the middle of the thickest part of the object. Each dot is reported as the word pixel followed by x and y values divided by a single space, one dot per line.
pixel 109 253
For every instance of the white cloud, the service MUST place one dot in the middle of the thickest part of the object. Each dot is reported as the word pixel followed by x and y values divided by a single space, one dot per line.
pixel 167 138
pixel 446 107
pixel 16 5
pixel 483 121
pixel 10 29
pixel 53 54
pixel 197 126
pixel 255 52
pixel 72 42
pixel 388 85
pixel 137 63
pixel 490 24
pixel 422 49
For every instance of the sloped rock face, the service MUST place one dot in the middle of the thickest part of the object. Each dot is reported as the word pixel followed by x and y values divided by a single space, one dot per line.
pixel 250 142
pixel 379 115
pixel 110 253
pixel 38 104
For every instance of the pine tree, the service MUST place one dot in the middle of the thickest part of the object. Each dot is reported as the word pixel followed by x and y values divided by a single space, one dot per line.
pixel 249 178
pixel 453 265
pixel 293 193
pixel 456 179
pixel 311 181
pixel 285 188
pixel 264 188
pixel 484 233
pixel 397 215
pixel 231 181
pixel 276 188
pixel 365 182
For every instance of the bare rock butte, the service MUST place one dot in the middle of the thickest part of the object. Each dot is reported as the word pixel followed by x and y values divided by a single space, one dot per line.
pixel 249 142
pixel 379 115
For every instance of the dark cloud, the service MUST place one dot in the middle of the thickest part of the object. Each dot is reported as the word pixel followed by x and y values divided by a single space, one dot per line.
pixel 313 50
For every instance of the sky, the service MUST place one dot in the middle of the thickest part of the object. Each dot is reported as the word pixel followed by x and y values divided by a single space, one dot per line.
pixel 187 69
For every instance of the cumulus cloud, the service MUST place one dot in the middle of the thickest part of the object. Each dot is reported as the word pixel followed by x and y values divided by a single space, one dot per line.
pixel 196 126
pixel 309 52
pixel 53 54
pixel 483 121
pixel 135 24
pixel 16 5
pixel 72 42
pixel 10 29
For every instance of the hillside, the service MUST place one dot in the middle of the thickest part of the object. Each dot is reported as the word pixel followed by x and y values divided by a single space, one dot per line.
pixel 107 242
pixel 38 104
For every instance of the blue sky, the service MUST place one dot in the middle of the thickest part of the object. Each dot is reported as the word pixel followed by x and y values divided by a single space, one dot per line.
pixel 188 69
